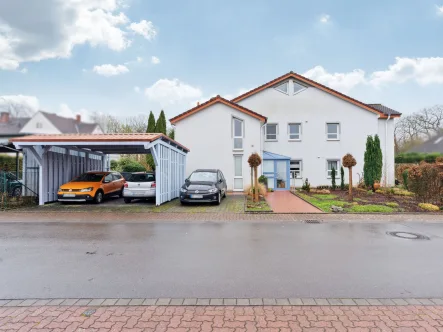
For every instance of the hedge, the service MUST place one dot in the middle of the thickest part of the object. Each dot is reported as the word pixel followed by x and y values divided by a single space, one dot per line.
pixel 9 162
pixel 416 157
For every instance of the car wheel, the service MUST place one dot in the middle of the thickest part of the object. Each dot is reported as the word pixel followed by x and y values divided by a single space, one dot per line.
pixel 120 194
pixel 127 200
pixel 219 196
pixel 98 197
pixel 183 203
pixel 224 193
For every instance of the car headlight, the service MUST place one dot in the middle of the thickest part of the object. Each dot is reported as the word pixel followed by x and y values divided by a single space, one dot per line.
pixel 213 190
pixel 183 190
pixel 86 190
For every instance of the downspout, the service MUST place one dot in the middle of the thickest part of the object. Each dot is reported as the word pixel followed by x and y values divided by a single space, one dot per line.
pixel 386 150
pixel 261 149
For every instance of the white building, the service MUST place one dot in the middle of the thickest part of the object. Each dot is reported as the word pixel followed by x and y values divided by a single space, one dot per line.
pixel 300 128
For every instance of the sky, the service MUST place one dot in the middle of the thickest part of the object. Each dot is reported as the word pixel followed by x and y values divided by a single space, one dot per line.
pixel 129 57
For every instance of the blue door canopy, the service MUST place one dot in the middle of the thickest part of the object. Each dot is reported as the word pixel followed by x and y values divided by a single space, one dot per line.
pixel 273 156
pixel 276 169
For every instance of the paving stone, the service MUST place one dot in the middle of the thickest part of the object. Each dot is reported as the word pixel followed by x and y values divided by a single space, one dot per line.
pixel 190 302
pixel 256 301
pixel 216 302
pixel 426 301
pixel 308 301
pixel 243 302
pixel 96 302
pixel 321 302
pixel 109 302
pixel 3 302
pixel 69 302
pixel 413 301
pixel 361 302
pixel 83 302
pixel 374 302
pixel 230 302
pixel 399 302
pixel 149 302
pixel 269 302
pixel 123 302
pixel 41 302
pixel 437 301
pixel 202 301
pixel 283 302
pixel 27 303
pixel 163 301
pixel 176 301
pixel 335 302
pixel 387 301
pixel 13 303
pixel 295 301
pixel 136 302
pixel 348 302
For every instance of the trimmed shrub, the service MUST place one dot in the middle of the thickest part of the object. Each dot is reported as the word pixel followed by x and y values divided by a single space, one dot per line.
pixel 425 182
pixel 263 179
pixel 130 165
pixel 428 207
pixel 342 178
pixel 306 186
pixel 399 169
pixel 333 173
pixel 8 162
pixel 405 178
pixel 416 157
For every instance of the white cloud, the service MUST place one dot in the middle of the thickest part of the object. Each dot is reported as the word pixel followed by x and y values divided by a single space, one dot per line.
pixel 155 60
pixel 422 71
pixel 440 10
pixel 325 18
pixel 139 59
pixel 166 91
pixel 50 29
pixel 108 70
pixel 137 89
pixel 339 81
pixel 144 28
pixel 24 70
pixel 19 105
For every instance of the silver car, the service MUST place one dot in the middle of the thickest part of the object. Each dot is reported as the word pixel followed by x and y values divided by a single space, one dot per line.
pixel 140 185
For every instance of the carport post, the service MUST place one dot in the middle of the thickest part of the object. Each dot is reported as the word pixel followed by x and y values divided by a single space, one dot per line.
pixel 153 151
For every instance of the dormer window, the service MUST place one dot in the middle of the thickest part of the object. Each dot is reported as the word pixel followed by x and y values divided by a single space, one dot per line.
pixel 283 87
pixel 297 87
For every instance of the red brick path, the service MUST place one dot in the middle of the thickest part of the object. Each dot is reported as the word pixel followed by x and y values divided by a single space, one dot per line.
pixel 286 202
pixel 224 318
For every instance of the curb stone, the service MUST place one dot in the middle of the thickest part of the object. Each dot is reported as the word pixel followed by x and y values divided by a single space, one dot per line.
pixel 220 302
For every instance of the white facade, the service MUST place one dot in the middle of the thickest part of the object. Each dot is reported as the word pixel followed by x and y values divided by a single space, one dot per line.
pixel 39 124
pixel 209 136
pixel 208 133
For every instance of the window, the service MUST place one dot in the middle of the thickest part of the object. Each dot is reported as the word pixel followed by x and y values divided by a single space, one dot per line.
pixel 298 87
pixel 333 131
pixel 39 125
pixel 116 176
pixel 271 131
pixel 145 177
pixel 237 131
pixel 283 87
pixel 108 178
pixel 294 131
pixel 333 164
pixel 238 173
pixel 296 169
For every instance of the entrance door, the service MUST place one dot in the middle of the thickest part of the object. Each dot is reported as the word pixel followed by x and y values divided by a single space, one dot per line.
pixel 238 173
pixel 277 172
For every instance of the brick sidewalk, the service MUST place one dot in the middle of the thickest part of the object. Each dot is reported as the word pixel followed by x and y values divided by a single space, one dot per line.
pixel 223 318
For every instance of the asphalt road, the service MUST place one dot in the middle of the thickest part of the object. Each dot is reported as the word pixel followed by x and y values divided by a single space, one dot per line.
pixel 215 260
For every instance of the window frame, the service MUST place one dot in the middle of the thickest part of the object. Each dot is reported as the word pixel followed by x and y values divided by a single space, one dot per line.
pixel 280 84
pixel 300 161
pixel 299 133
pixel 337 175
pixel 234 118
pixel 338 131
pixel 276 133
pixel 294 83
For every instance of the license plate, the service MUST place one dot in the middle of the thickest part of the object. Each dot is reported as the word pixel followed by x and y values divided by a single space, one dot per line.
pixel 196 196
pixel 68 195
pixel 139 194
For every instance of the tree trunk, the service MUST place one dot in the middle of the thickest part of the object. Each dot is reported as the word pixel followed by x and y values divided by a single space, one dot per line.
pixel 350 183
pixel 255 185
pixel 252 182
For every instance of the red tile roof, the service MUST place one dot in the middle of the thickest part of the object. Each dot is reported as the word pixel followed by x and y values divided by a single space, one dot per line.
pixel 315 84
pixel 213 101
pixel 120 137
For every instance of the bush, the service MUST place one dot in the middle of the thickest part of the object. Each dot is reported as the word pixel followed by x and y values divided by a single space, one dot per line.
pixel 405 178
pixel 392 204
pixel 425 182
pixel 399 169
pixel 333 173
pixel 130 165
pixel 8 162
pixel 428 207
pixel 323 186
pixel 114 165
pixel 306 186
pixel 342 178
pixel 416 157
pixel 263 179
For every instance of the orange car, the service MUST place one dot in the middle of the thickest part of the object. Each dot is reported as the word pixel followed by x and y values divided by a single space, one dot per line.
pixel 92 186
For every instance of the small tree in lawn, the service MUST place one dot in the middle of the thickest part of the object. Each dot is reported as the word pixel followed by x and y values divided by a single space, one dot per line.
pixel 349 162
pixel 333 173
pixel 378 156
pixel 254 161
pixel 150 129
pixel 342 178
pixel 369 163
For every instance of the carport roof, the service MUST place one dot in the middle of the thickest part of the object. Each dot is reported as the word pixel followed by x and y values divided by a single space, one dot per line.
pixel 97 139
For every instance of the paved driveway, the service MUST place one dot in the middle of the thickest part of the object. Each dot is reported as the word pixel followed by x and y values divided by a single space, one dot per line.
pixel 286 202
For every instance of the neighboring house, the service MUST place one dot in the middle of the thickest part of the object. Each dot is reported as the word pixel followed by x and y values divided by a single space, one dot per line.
pixel 50 123
pixel 434 144
pixel 300 128
pixel 10 127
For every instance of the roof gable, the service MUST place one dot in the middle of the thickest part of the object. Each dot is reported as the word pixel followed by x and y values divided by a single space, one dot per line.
pixel 213 101
pixel 302 79
pixel 68 125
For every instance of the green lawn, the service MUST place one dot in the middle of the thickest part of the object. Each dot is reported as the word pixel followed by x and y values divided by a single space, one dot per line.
pixel 260 206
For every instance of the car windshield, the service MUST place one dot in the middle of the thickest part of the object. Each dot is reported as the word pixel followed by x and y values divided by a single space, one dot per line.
pixel 203 177
pixel 89 177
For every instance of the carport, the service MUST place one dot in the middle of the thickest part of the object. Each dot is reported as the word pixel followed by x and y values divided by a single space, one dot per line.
pixel 60 158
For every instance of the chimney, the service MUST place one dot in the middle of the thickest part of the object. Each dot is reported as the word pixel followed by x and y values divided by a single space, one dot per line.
pixel 4 117
pixel 198 103
pixel 78 118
